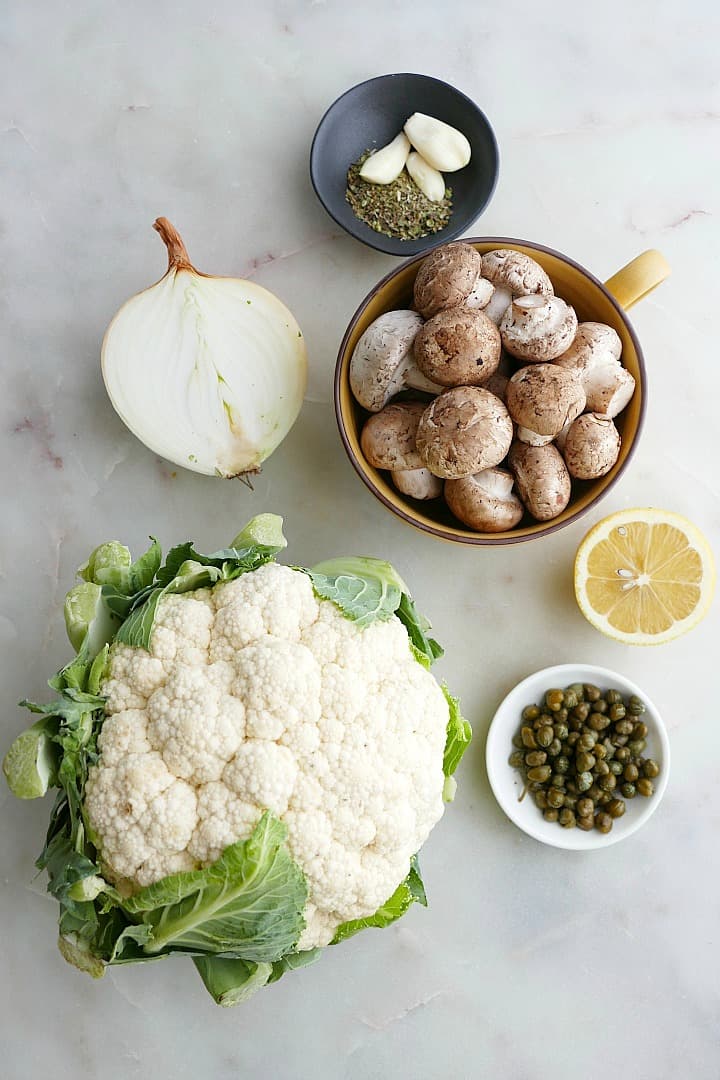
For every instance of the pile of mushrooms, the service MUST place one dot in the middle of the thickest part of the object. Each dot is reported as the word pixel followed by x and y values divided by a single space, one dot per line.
pixel 523 398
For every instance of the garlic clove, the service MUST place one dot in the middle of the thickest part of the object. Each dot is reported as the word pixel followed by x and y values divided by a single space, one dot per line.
pixel 443 147
pixel 386 164
pixel 429 180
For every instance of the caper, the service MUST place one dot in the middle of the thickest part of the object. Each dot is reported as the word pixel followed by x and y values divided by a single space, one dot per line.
pixel 600 751
pixel 606 797
pixel 530 712
pixel 616 767
pixel 516 759
pixel 594 793
pixel 585 806
pixel 578 689
pixel 606 783
pixel 613 697
pixel 584 781
pixel 582 711
pixel 554 700
pixel 622 754
pixel 587 740
pixel 562 764
pixel 586 823
pixel 640 731
pixel 545 735
pixel 550 814
pixel 597 721
pixel 561 731
pixel 624 727
pixel 630 773
pixel 528 737
pixel 645 787
pixel 572 787
pixel 561 715
pixel 570 801
pixel 539 774
pixel 590 692
pixel 536 786
pixel 629 790
pixel 616 808
pixel 603 822
pixel 557 780
pixel 619 740
pixel 541 800
pixel 600 706
pixel 651 769
pixel 567 818
pixel 570 698
pixel 584 762
pixel 602 768
pixel 554 748
pixel 535 757
pixel 636 707
pixel 517 741
pixel 573 738
pixel 636 746
pixel 555 798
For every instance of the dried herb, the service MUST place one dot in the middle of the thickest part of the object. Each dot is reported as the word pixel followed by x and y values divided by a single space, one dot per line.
pixel 399 209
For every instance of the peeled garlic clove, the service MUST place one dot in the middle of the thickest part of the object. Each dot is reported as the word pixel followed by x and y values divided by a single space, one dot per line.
pixel 208 372
pixel 429 180
pixel 442 146
pixel 386 164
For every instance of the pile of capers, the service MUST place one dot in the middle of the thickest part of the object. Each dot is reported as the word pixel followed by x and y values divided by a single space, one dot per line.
pixel 581 752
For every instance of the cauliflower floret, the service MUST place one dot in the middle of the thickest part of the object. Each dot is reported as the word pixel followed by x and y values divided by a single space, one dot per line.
pixel 257 696
pixel 263 773
pixel 279 682
pixel 196 728
pixel 273 600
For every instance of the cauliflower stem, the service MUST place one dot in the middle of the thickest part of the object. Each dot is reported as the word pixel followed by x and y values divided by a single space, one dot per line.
pixel 247 758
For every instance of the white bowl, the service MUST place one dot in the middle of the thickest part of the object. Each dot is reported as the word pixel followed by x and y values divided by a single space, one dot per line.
pixel 507 782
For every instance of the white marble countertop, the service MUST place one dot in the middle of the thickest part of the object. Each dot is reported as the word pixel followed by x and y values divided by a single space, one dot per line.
pixel 530 963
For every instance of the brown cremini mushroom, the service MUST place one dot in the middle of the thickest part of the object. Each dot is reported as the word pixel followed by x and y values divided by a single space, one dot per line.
pixel 497 384
pixel 513 274
pixel 382 363
pixel 538 328
pixel 485 501
pixel 388 437
pixel 594 355
pixel 449 276
pixel 591 446
pixel 463 431
pixel 417 483
pixel 457 347
pixel 542 479
pixel 542 399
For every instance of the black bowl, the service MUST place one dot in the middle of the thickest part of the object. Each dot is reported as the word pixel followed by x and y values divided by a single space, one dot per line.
pixel 370 115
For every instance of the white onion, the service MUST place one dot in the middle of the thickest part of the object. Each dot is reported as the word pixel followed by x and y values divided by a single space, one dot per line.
pixel 208 372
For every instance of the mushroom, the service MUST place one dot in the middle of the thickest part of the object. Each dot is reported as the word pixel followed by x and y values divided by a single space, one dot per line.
pixel 542 479
pixel 542 399
pixel 538 328
pixel 464 431
pixel 595 355
pixel 451 275
pixel 457 347
pixel 513 274
pixel 497 384
pixel 485 501
pixel 591 446
pixel 388 437
pixel 417 483
pixel 382 362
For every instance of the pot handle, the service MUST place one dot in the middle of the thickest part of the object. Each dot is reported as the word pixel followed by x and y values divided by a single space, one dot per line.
pixel 638 278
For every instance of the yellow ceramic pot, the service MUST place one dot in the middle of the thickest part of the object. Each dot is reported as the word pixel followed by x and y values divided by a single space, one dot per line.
pixel 592 300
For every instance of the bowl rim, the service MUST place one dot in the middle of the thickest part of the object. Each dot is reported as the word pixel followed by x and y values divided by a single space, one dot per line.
pixel 562 674
pixel 544 528
pixel 451 232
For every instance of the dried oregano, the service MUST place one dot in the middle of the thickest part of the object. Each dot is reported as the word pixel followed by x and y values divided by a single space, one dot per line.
pixel 399 209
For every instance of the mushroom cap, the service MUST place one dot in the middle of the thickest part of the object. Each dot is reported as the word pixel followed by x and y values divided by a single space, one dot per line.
pixel 388 437
pixel 544 398
pixel 594 343
pixel 595 355
pixel 446 278
pixel 418 483
pixel 542 479
pixel 517 272
pixel 380 356
pixel 463 431
pixel 538 328
pixel 591 446
pixel 485 501
pixel 458 347
pixel 497 384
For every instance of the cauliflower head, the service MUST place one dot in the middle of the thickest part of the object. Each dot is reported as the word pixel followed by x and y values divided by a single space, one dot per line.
pixel 258 695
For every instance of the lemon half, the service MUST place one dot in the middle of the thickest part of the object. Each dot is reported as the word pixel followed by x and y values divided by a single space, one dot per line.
pixel 644 576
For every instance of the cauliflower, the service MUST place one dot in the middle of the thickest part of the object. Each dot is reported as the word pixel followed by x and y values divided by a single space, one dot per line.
pixel 249 766
pixel 305 696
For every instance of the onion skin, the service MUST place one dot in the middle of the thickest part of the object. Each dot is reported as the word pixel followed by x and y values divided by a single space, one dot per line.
pixel 208 372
